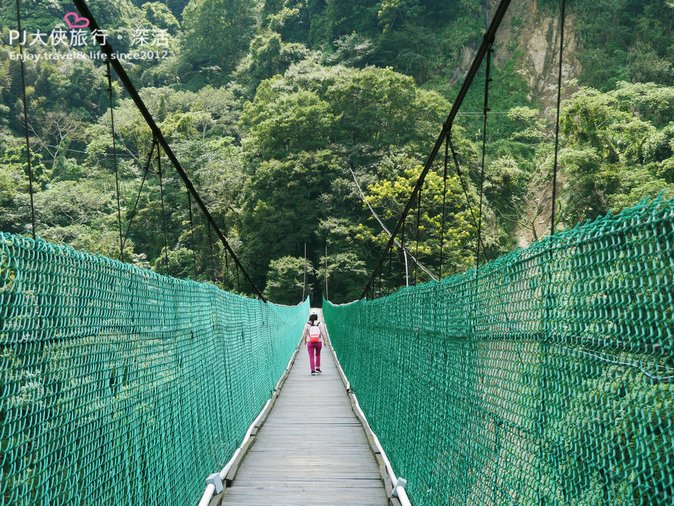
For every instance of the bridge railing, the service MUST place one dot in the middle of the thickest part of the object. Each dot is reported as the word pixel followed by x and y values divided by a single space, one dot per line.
pixel 121 386
pixel 546 377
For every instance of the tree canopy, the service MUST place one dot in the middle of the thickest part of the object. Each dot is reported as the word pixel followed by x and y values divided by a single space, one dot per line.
pixel 270 105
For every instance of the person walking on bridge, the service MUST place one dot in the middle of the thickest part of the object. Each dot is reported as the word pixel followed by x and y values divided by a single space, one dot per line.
pixel 314 336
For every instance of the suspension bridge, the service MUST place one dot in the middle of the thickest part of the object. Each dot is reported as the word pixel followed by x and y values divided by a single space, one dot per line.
pixel 541 377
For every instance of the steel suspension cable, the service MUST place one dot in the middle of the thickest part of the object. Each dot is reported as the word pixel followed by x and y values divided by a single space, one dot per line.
pixel 29 166
pixel 114 160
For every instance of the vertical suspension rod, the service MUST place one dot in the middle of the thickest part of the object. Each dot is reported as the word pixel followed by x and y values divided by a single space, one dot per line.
pixel 114 161
pixel 487 79
pixel 29 166
pixel 559 101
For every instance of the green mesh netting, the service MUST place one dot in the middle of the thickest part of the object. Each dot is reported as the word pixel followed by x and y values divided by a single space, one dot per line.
pixel 120 386
pixel 545 378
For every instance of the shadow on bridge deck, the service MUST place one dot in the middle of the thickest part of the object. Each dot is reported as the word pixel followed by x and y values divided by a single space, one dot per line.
pixel 311 450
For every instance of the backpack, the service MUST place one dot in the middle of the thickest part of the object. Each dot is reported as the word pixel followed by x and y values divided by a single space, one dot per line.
pixel 314 333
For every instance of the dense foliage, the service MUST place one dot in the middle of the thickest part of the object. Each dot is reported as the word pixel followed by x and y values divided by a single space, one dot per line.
pixel 269 104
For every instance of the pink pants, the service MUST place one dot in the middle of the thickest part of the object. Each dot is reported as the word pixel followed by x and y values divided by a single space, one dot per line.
pixel 314 348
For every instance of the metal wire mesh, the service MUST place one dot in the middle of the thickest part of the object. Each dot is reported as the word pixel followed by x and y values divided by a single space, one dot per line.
pixel 543 378
pixel 120 386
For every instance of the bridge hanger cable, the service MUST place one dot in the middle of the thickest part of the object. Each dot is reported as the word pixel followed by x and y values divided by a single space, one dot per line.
pixel 449 145
pixel 304 273
pixel 326 275
pixel 444 206
pixel 416 246
pixel 114 160
pixel 211 256
pixel 487 80
pixel 548 294
pixel 479 244
pixel 105 46
pixel 405 254
pixel 31 178
pixel 486 43
pixel 386 229
pixel 192 244
pixel 559 101
pixel 132 215
pixel 163 209
pixel 464 187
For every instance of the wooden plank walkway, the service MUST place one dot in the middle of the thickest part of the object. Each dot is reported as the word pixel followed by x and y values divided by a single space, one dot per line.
pixel 312 450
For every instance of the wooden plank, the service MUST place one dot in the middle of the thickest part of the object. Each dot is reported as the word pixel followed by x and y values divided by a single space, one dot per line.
pixel 311 450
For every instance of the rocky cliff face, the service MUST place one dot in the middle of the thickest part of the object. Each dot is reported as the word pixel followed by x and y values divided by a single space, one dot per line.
pixel 535 32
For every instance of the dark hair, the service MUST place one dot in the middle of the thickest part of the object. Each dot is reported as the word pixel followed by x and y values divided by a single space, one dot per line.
pixel 313 317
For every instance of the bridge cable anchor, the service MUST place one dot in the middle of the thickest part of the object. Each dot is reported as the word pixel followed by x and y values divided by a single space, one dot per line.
pixel 215 480
pixel 400 482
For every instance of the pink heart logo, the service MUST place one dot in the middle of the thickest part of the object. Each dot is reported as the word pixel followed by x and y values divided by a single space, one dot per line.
pixel 73 20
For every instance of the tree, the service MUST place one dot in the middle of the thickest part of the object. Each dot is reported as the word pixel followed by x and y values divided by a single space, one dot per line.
pixel 286 280
pixel 382 108
pixel 216 36
pixel 289 18
pixel 304 127
pixel 161 16
pixel 615 155
pixel 347 275
pixel 388 199
pixel 364 112
pixel 267 56
pixel 504 188
pixel 15 212
pixel 351 50
pixel 284 206
pixel 289 123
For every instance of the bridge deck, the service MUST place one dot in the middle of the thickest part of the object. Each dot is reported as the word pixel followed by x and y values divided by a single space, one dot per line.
pixel 311 450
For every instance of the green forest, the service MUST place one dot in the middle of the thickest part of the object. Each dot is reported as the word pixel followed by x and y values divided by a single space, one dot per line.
pixel 280 109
